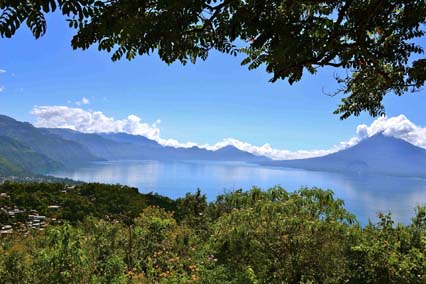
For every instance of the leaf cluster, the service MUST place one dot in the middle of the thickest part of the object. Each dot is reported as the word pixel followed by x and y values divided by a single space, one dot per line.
pixel 374 41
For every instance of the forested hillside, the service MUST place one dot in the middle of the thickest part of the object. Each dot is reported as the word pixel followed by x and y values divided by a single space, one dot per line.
pixel 63 152
pixel 18 159
pixel 257 236
pixel 73 203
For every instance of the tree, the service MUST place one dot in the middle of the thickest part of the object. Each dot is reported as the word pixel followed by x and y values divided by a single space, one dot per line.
pixel 282 237
pixel 63 258
pixel 254 237
pixel 389 253
pixel 192 211
pixel 373 40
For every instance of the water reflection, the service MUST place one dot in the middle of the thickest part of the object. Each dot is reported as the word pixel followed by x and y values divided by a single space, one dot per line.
pixel 363 195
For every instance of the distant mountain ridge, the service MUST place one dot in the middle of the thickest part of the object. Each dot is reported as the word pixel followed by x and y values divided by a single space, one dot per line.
pixel 65 152
pixel 113 146
pixel 378 154
pixel 25 149
pixel 20 159
pixel 97 145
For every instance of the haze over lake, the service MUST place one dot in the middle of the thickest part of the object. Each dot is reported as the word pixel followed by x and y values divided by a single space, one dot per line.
pixel 364 195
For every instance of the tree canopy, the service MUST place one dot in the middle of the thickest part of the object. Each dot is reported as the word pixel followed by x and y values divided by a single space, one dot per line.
pixel 373 40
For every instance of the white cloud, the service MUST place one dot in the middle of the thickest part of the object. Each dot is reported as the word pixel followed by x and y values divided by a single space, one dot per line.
pixel 91 121
pixel 2 88
pixel 83 101
pixel 398 126
pixel 95 122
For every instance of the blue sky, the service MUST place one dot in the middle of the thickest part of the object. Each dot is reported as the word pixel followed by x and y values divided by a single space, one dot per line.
pixel 203 103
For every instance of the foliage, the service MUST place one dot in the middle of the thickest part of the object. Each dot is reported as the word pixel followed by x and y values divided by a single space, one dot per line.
pixel 62 258
pixel 256 237
pixel 373 40
pixel 301 238
pixel 112 202
pixel 193 211
pixel 391 254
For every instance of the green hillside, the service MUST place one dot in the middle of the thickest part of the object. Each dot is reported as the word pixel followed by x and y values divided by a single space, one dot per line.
pixel 18 159
pixel 52 146
pixel 8 168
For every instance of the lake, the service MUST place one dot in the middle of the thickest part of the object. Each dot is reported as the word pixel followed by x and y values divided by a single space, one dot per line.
pixel 363 195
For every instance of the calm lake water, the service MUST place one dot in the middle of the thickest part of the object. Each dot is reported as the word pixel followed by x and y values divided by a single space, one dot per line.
pixel 363 195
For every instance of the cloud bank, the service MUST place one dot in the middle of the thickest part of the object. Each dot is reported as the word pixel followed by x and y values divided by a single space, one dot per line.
pixel 96 122
pixel 91 121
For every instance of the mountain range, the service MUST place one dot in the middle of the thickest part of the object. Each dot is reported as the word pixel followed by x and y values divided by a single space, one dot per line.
pixel 26 150
pixel 18 159
pixel 122 146
pixel 378 154
pixel 51 146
